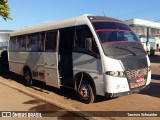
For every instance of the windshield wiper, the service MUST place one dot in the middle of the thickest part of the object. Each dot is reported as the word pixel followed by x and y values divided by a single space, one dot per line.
pixel 140 49
pixel 126 49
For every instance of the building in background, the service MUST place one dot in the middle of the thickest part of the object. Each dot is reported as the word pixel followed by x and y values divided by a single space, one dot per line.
pixel 142 27
pixel 4 37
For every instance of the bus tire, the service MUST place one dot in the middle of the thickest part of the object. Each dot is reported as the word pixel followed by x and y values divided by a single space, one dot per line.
pixel 28 78
pixel 86 93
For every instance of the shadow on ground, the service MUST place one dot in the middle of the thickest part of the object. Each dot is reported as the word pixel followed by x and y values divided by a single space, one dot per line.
pixel 42 87
pixel 153 90
pixel 154 58
pixel 156 77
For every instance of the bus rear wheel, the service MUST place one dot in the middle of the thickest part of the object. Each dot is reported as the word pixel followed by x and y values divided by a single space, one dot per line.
pixel 86 93
pixel 28 78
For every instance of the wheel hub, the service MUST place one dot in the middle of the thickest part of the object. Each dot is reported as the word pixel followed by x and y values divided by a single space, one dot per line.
pixel 84 92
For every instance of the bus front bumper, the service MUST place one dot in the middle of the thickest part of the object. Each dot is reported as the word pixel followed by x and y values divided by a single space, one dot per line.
pixel 113 95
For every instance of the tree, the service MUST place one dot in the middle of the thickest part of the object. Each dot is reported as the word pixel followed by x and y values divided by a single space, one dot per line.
pixel 4 9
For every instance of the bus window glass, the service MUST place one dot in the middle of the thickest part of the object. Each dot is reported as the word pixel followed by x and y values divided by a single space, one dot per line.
pixel 113 32
pixel 82 33
pixel 50 41
pixel 33 43
pixel 66 40
pixel 118 39
pixel 41 42
pixel 21 43
pixel 12 44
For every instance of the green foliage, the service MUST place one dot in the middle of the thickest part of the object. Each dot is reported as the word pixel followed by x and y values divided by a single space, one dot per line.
pixel 4 9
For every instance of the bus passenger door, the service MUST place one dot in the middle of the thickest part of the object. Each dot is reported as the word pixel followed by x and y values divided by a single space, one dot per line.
pixel 65 57
pixel 50 60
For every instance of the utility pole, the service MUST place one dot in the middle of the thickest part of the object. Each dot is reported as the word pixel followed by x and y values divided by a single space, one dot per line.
pixel 147 42
pixel 147 34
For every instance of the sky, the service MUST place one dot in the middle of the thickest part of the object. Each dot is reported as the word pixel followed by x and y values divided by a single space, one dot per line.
pixel 26 13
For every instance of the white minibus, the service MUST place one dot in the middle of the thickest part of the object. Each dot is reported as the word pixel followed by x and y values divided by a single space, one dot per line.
pixel 94 55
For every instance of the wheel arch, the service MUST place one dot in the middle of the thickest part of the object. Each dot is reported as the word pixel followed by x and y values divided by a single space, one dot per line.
pixel 89 79
pixel 26 67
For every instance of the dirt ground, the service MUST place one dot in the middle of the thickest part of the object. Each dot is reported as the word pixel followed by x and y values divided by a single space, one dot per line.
pixel 148 100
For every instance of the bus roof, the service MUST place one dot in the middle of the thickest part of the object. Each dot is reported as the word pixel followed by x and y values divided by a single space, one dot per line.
pixel 61 24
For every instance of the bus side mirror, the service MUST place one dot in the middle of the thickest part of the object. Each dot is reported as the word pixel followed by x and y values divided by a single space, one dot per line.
pixel 88 44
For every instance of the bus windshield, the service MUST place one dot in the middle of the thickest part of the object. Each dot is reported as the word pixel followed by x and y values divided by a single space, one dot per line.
pixel 118 39
pixel 114 32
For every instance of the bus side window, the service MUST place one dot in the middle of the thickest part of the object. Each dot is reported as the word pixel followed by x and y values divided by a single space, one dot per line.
pixel 33 42
pixel 12 44
pixel 66 40
pixel 21 42
pixel 50 41
pixel 95 47
pixel 41 42
pixel 82 33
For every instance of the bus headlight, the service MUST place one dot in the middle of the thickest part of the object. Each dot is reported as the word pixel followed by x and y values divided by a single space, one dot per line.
pixel 116 73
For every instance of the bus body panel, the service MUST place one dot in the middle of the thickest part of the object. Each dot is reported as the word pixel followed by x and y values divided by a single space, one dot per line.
pixel 34 60
pixel 15 65
pixel 43 66
pixel 149 73
pixel 114 84
pixel 90 65
pixel 148 78
pixel 51 69
pixel 122 84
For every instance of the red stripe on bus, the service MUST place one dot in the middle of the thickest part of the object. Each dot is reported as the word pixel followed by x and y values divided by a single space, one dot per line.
pixel 113 30
pixel 118 42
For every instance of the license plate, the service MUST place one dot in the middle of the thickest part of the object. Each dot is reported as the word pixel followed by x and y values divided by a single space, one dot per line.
pixel 140 79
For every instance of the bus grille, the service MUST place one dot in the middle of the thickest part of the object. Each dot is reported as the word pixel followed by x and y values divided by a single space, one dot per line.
pixel 133 74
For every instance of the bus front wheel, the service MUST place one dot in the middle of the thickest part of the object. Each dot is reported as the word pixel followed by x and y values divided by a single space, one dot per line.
pixel 28 78
pixel 86 93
